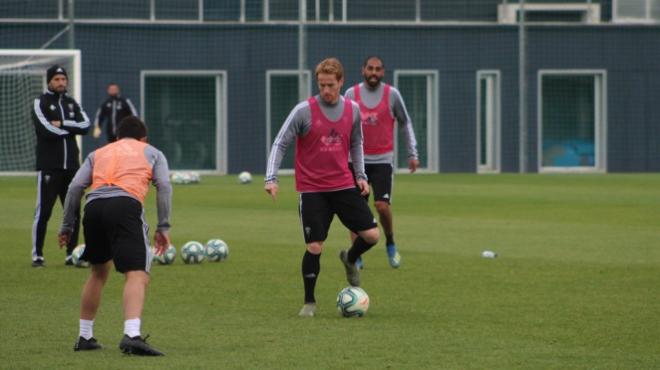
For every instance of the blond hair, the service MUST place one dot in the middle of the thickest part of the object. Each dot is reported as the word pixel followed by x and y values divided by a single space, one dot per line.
pixel 330 66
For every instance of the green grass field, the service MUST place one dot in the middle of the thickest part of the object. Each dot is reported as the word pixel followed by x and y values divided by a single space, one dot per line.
pixel 576 283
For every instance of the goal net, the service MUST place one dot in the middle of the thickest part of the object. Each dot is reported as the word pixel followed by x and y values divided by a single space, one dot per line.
pixel 22 80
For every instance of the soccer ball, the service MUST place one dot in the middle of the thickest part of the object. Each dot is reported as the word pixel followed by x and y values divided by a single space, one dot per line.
pixel 194 177
pixel 216 250
pixel 176 178
pixel 244 177
pixel 186 178
pixel 76 254
pixel 192 252
pixel 352 301
pixel 168 256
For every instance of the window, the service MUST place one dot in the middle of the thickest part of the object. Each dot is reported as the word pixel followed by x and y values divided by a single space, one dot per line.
pixel 636 10
pixel 282 10
pixel 419 89
pixel 282 94
pixel 317 10
pixel 186 114
pixel 381 10
pixel 177 9
pixel 109 9
pixel 225 11
pixel 577 12
pixel 234 10
pixel 488 121
pixel 30 9
pixel 572 121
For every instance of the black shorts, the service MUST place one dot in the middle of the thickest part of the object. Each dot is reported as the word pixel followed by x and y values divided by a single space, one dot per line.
pixel 115 230
pixel 318 209
pixel 380 177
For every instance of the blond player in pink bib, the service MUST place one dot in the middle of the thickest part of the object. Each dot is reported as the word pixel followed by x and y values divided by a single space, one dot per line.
pixel 326 128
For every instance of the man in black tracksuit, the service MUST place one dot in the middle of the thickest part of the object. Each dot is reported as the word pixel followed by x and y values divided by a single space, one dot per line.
pixel 114 109
pixel 57 120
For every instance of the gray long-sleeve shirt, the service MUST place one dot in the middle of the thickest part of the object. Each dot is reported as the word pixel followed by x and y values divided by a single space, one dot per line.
pixel 371 98
pixel 83 179
pixel 299 122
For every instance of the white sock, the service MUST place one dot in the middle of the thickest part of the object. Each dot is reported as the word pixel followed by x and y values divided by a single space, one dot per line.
pixel 132 327
pixel 86 328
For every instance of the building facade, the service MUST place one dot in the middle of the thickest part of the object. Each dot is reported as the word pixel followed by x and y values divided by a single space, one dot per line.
pixel 215 80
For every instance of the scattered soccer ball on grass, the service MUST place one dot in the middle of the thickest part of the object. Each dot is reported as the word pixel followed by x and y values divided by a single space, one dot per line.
pixel 195 178
pixel 76 254
pixel 185 177
pixel 168 256
pixel 352 301
pixel 244 177
pixel 216 250
pixel 176 178
pixel 192 252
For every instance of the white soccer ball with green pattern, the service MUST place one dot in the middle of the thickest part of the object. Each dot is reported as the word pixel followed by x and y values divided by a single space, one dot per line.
pixel 76 254
pixel 352 301
pixel 216 250
pixel 167 257
pixel 244 177
pixel 192 252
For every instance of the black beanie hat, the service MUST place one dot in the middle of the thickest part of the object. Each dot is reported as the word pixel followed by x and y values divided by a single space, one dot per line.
pixel 55 70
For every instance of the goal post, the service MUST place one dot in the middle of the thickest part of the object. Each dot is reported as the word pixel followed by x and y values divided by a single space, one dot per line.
pixel 22 80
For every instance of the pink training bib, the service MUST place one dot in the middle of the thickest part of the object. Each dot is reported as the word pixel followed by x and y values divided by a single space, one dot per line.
pixel 377 123
pixel 322 154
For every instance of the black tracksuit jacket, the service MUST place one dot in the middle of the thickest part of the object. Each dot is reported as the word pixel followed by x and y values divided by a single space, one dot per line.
pixel 56 146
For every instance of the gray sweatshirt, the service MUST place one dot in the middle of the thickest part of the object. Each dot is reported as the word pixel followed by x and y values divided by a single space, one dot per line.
pixel 371 98
pixel 299 122
pixel 83 179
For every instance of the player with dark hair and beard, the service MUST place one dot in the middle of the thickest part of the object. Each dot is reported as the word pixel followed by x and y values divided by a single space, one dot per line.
pixel 381 105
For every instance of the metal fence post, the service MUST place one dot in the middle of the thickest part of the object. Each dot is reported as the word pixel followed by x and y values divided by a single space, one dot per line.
pixel 302 52
pixel 522 91
pixel 72 37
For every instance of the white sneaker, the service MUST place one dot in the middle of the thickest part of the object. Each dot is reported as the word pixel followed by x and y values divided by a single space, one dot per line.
pixel 307 310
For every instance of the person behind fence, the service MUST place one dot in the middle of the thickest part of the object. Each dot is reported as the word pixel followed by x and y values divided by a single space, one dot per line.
pixel 115 229
pixel 114 109
pixel 57 119
pixel 381 106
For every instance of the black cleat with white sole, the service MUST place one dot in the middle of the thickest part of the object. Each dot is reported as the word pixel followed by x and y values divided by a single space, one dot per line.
pixel 138 346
